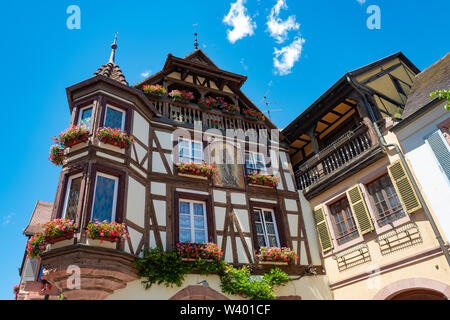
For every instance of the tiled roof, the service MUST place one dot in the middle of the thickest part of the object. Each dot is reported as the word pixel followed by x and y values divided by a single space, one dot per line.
pixel 112 71
pixel 41 214
pixel 435 77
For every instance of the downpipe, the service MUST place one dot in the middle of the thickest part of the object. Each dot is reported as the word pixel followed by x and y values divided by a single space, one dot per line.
pixel 408 171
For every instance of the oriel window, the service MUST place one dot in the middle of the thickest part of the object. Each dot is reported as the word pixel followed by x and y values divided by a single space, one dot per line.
pixel 105 198
pixel 72 197
pixel 85 117
pixel 114 118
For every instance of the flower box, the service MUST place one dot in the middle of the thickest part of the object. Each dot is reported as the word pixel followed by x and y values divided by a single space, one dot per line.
pixel 107 232
pixel 208 103
pixel 193 176
pixel 181 96
pixel 114 137
pixel 192 251
pixel 265 180
pixel 230 108
pixel 111 147
pixel 196 169
pixel 276 263
pixel 59 237
pixel 216 124
pixel 276 255
pixel 154 90
pixel 105 243
pixel 253 115
pixel 72 136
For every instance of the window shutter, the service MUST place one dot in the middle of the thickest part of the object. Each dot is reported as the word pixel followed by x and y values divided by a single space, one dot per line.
pixel 441 151
pixel 404 187
pixel 359 209
pixel 322 229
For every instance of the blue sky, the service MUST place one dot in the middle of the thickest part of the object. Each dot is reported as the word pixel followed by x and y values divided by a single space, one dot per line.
pixel 40 57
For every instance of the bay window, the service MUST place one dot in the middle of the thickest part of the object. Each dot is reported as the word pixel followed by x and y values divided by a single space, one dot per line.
pixel 105 197
pixel 85 117
pixel 114 118
pixel 72 196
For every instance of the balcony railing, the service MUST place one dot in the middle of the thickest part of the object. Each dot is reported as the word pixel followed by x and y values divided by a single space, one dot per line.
pixel 190 113
pixel 333 157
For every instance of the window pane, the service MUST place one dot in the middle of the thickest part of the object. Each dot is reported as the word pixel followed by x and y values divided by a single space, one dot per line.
pixel 199 223
pixel 185 221
pixel 113 118
pixel 185 235
pixel 200 236
pixel 85 118
pixel 104 199
pixel 198 209
pixel 268 216
pixel 184 207
pixel 72 200
pixel 259 228
pixel 261 241
pixel 272 241
pixel 270 228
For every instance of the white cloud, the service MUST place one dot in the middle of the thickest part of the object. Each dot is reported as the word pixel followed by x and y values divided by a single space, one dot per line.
pixel 6 220
pixel 243 64
pixel 238 19
pixel 285 58
pixel 278 28
pixel 146 73
pixel 361 1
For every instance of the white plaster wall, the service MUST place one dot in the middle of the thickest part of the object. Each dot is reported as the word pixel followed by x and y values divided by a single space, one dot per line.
pixel 165 139
pixel 140 128
pixel 310 227
pixel 238 198
pixel 160 211
pixel 242 217
pixel 157 163
pixel 158 188
pixel 289 182
pixel 432 180
pixel 219 213
pixel 136 202
pixel 220 196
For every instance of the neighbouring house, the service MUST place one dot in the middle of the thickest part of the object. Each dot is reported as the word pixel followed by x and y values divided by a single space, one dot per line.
pixel 177 118
pixel 376 239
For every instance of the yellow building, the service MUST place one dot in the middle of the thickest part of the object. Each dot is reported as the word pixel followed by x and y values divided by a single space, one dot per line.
pixel 376 230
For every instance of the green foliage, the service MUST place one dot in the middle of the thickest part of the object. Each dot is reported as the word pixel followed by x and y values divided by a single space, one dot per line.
pixel 158 266
pixel 442 94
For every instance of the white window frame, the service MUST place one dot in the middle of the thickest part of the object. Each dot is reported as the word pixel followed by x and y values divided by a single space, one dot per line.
pixel 124 113
pixel 81 113
pixel 252 158
pixel 116 186
pixel 66 197
pixel 191 150
pixel 263 220
pixel 191 216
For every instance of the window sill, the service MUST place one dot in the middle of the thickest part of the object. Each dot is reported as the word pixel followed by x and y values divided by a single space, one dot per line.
pixel 342 247
pixel 277 263
pixel 260 186
pixel 193 176
pixel 397 223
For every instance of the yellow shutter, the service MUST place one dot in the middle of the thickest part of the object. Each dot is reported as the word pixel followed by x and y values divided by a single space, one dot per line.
pixel 322 229
pixel 404 187
pixel 359 209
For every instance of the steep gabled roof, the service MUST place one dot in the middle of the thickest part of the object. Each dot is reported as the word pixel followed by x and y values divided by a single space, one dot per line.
pixel 200 57
pixel 42 213
pixel 435 77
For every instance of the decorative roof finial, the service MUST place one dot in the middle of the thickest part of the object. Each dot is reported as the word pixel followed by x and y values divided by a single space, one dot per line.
pixel 113 51
pixel 195 34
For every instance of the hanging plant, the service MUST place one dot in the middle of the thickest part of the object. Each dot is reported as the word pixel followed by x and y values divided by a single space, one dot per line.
pixel 115 137
pixel 35 245
pixel 182 96
pixel 56 154
pixel 154 89
pixel 262 179
pixel 208 103
pixel 230 108
pixel 107 231
pixel 72 136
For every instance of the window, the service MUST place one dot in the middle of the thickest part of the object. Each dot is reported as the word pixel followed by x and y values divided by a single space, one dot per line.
pixel 266 227
pixel 441 150
pixel 30 270
pixel 192 221
pixel 72 196
pixel 190 151
pixel 344 223
pixel 105 198
pixel 85 117
pixel 385 200
pixel 114 118
pixel 255 162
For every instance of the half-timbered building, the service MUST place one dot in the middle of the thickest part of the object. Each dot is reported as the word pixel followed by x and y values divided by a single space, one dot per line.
pixel 142 186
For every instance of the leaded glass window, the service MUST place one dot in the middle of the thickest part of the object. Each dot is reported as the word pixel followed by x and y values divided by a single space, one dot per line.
pixel 190 151
pixel 254 162
pixel 72 196
pixel 192 221
pixel 85 118
pixel 105 197
pixel 114 118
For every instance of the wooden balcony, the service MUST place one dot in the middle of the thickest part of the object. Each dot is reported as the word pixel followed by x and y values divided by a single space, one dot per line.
pixel 332 164
pixel 191 114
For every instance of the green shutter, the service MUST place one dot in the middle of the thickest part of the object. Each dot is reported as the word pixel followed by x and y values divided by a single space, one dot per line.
pixel 359 209
pixel 322 229
pixel 404 187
